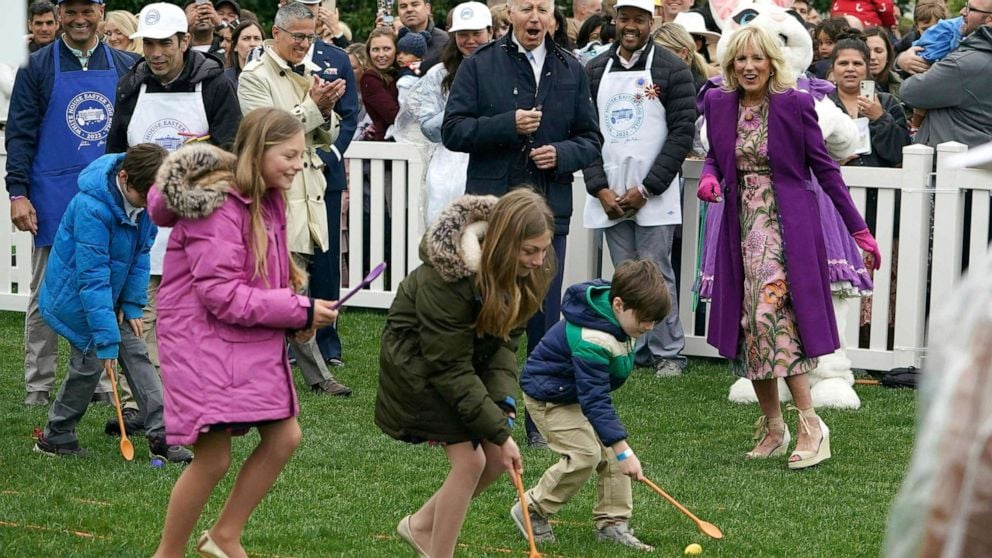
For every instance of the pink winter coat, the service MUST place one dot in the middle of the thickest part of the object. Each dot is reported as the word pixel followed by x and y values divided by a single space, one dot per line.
pixel 221 331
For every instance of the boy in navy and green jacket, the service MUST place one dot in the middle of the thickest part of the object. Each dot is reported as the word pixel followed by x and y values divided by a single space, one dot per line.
pixel 567 382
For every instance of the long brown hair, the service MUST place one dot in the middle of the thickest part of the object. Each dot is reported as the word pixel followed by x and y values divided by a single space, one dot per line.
pixel 509 300
pixel 261 129
pixel 388 75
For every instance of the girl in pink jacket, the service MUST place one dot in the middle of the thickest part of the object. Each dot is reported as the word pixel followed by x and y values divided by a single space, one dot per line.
pixel 227 301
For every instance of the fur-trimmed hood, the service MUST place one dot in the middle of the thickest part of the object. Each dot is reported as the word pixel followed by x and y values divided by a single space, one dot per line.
pixel 453 244
pixel 189 179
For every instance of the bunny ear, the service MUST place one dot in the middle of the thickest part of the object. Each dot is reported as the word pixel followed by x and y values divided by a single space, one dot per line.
pixel 723 9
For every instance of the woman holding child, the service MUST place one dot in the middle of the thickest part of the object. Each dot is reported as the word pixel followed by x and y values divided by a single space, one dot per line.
pixel 447 361
pixel 771 312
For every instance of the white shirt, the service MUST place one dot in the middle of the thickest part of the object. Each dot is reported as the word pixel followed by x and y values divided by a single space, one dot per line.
pixel 634 57
pixel 131 211
pixel 535 57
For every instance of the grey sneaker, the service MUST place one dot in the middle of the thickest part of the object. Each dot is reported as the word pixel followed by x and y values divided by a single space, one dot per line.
pixel 667 369
pixel 331 387
pixel 535 440
pixel 36 399
pixel 540 525
pixel 620 533
pixel 159 449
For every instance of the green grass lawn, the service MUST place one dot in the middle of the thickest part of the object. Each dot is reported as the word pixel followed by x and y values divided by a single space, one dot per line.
pixel 349 484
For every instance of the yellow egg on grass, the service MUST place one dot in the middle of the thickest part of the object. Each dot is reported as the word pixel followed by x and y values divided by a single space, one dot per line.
pixel 693 549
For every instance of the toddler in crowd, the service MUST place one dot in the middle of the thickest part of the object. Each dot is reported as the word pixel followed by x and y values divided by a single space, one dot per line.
pixel 410 51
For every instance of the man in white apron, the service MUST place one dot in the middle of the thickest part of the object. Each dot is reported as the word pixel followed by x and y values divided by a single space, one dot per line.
pixel 646 103
pixel 173 95
pixel 60 111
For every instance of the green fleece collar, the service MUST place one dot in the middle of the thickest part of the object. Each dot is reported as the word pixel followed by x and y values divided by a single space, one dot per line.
pixel 598 298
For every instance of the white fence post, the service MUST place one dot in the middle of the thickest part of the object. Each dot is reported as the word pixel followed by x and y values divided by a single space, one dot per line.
pixel 948 222
pixel 15 251
pixel 914 241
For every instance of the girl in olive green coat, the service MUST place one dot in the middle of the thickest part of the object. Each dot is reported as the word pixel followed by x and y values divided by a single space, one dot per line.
pixel 448 353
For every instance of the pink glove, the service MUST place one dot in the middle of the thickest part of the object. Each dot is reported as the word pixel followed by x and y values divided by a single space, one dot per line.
pixel 873 256
pixel 709 189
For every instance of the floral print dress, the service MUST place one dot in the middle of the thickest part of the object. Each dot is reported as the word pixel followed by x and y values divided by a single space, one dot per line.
pixel 770 346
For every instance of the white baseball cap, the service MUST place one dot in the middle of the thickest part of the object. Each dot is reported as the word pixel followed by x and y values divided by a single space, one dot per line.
pixel 646 5
pixel 470 16
pixel 160 21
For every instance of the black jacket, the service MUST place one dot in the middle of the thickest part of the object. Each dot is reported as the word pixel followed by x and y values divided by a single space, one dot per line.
pixel 219 99
pixel 480 119
pixel 678 95
pixel 889 134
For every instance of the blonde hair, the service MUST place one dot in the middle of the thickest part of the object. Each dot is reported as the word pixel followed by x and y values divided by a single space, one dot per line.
pixel 127 24
pixel 509 300
pixel 780 79
pixel 675 38
pixel 260 130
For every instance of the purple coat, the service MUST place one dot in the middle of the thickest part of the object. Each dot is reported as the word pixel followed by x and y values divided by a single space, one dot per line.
pixel 221 331
pixel 796 147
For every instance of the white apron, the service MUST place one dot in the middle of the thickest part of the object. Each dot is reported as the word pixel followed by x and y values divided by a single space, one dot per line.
pixel 634 127
pixel 159 118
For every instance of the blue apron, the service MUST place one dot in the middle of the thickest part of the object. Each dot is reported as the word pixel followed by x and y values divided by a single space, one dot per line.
pixel 73 134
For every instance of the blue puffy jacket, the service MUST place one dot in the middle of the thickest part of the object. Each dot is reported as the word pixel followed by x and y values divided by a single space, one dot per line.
pixel 582 358
pixel 98 263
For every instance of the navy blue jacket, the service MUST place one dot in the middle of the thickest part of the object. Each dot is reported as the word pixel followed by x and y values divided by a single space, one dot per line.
pixel 29 102
pixel 335 64
pixel 582 358
pixel 98 263
pixel 480 119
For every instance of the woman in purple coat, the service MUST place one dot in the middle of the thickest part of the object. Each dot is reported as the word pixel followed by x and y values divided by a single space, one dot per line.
pixel 771 298
pixel 226 304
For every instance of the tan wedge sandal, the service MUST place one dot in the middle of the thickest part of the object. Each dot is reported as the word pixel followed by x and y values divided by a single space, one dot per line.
pixel 207 548
pixel 762 428
pixel 822 453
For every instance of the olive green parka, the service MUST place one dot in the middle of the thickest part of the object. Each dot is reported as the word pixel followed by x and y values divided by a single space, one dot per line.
pixel 438 380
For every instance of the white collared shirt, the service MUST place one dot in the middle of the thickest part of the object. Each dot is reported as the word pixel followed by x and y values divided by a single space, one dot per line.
pixel 634 57
pixel 535 57
pixel 131 211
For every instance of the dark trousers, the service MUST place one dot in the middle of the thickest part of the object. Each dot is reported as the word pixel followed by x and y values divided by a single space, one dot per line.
pixel 325 274
pixel 550 313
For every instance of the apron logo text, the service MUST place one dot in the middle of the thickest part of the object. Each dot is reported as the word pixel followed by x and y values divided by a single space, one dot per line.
pixel 88 115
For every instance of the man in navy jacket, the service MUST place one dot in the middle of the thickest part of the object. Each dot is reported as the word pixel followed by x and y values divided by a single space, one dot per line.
pixel 521 108
pixel 325 267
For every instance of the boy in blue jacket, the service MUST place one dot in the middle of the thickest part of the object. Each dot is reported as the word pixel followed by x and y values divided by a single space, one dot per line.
pixel 94 291
pixel 567 382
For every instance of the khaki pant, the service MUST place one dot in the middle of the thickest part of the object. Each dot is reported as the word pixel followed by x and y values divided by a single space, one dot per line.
pixel 41 343
pixel 569 434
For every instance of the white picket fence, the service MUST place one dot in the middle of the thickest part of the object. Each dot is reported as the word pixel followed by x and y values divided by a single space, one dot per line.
pixel 929 265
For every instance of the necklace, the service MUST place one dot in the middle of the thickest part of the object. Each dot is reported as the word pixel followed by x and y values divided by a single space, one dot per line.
pixel 748 106
pixel 749 109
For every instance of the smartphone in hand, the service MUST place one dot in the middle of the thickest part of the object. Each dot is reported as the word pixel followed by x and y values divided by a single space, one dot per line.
pixel 868 88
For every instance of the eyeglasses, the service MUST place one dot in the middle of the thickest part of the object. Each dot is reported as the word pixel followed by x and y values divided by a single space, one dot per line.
pixel 298 38
pixel 968 8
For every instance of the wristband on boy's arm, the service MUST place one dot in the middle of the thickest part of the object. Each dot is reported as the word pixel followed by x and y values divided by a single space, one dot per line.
pixel 625 454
